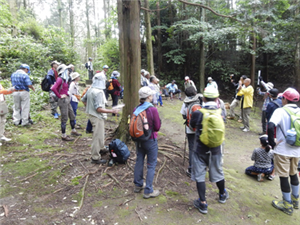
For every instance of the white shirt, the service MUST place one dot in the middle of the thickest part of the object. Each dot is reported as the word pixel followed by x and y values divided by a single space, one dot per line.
pixel 281 118
pixel 90 64
pixel 74 90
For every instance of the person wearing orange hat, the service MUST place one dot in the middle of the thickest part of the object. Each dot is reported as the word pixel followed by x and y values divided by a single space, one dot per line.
pixel 286 150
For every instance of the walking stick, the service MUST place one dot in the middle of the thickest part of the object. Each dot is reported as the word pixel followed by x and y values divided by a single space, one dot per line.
pixel 185 138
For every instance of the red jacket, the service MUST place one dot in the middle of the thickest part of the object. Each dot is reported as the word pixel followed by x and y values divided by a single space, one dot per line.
pixel 117 87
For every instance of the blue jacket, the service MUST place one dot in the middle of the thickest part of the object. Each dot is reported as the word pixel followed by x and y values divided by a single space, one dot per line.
pixel 272 105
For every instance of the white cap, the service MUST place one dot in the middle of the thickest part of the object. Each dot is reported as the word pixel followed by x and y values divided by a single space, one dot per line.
pixel 209 78
pixel 186 78
pixel 143 71
pixel 270 85
pixel 145 92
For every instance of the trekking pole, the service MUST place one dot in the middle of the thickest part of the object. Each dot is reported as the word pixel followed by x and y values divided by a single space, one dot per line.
pixel 185 137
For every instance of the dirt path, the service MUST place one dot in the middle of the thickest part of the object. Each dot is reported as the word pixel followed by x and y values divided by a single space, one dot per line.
pixel 43 180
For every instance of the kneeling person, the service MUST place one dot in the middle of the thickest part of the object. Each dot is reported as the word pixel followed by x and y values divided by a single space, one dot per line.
pixel 207 150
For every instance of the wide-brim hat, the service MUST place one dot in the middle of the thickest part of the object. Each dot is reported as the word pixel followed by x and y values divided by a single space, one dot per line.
pixel 145 92
pixel 61 68
pixel 74 75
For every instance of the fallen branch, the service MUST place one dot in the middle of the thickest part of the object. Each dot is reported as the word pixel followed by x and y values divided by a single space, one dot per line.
pixel 90 173
pixel 129 166
pixel 83 189
pixel 170 158
pixel 127 201
pixel 115 179
pixel 106 185
pixel 83 166
pixel 160 169
pixel 138 214
pixel 125 176
pixel 5 210
pixel 26 178
pixel 76 140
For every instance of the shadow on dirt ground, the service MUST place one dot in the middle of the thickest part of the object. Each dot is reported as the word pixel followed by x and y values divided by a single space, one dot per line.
pixel 47 181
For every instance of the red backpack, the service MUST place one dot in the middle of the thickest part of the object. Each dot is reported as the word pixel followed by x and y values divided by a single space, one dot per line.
pixel 139 127
pixel 192 107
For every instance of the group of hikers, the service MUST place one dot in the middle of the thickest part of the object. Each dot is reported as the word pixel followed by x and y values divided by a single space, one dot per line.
pixel 204 115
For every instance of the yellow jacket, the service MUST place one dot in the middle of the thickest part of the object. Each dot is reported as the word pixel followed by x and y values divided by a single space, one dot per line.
pixel 248 96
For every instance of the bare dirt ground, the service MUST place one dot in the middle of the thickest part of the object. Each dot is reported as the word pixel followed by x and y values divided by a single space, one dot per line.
pixel 47 181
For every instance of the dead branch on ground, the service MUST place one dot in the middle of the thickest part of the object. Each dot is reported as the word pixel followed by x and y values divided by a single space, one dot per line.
pixel 115 179
pixel 160 169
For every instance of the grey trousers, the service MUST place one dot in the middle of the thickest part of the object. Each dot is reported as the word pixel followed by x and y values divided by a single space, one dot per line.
pixel 21 107
pixel 65 109
pixel 98 137
pixel 245 117
pixel 91 74
pixel 235 103
pixel 2 125
pixel 264 122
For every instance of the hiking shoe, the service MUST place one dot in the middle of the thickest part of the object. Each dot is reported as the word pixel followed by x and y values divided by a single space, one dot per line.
pixel 99 161
pixel 230 117
pixel 5 139
pixel 202 207
pixel 55 115
pixel 295 202
pixel 242 128
pixel 240 121
pixel 154 194
pixel 260 177
pixel 67 138
pixel 188 173
pixel 246 130
pixel 223 197
pixel 77 126
pixel 285 206
pixel 139 189
pixel 75 133
pixel 271 177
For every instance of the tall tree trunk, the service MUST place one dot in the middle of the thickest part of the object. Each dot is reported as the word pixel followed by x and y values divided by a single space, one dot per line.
pixel 95 19
pixel 159 50
pixel 24 4
pixel 106 14
pixel 202 58
pixel 13 11
pixel 149 49
pixel 253 56
pixel 297 53
pixel 171 13
pixel 121 40
pixel 132 61
pixel 89 45
pixel 60 13
pixel 72 28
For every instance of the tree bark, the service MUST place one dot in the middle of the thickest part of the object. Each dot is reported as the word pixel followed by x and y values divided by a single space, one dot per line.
pixel 202 58
pixel 253 57
pixel 24 4
pixel 72 28
pixel 132 61
pixel 297 53
pixel 121 40
pixel 60 13
pixel 89 45
pixel 159 49
pixel 149 48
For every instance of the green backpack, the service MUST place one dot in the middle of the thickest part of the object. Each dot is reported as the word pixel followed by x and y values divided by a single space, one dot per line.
pixel 213 128
pixel 293 134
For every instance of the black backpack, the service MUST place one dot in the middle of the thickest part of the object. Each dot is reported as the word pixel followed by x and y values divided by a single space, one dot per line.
pixel 118 151
pixel 86 65
pixel 45 84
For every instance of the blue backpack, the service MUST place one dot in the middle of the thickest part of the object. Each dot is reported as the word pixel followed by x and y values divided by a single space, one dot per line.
pixel 118 151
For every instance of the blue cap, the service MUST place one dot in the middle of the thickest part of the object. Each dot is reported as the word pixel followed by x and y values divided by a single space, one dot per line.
pixel 25 66
pixel 105 67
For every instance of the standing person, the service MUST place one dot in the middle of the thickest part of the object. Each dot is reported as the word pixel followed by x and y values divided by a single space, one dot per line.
pixel 237 99
pixel 102 77
pixel 274 104
pixel 264 107
pixel 116 89
pixel 149 147
pixel 3 111
pixel 262 157
pixel 143 79
pixel 61 90
pixel 71 68
pixel 192 102
pixel 51 77
pixel 157 88
pixel 212 83
pixel 247 91
pixel 21 82
pixel 208 155
pixel 75 95
pixel 173 90
pixel 286 156
pixel 89 66
pixel 94 100
pixel 189 83
pixel 152 85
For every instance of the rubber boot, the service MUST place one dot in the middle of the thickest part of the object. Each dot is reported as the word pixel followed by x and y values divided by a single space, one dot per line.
pixel 285 206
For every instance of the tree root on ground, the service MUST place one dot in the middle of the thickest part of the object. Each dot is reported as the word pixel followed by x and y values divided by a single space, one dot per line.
pixel 115 179
pixel 26 178
pixel 83 190
pixel 160 169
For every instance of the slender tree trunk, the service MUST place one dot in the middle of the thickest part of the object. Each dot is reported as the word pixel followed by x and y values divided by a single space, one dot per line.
pixel 253 56
pixel 60 13
pixel 72 28
pixel 121 40
pixel 132 61
pixel 89 45
pixel 24 4
pixel 159 49
pixel 149 48
pixel 297 53
pixel 106 13
pixel 171 13
pixel 202 57
pixel 95 19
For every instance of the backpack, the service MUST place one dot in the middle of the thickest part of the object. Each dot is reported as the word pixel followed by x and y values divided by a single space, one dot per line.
pixel 109 85
pixel 118 151
pixel 213 128
pixel 45 84
pixel 293 134
pixel 139 127
pixel 86 65
pixel 192 107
